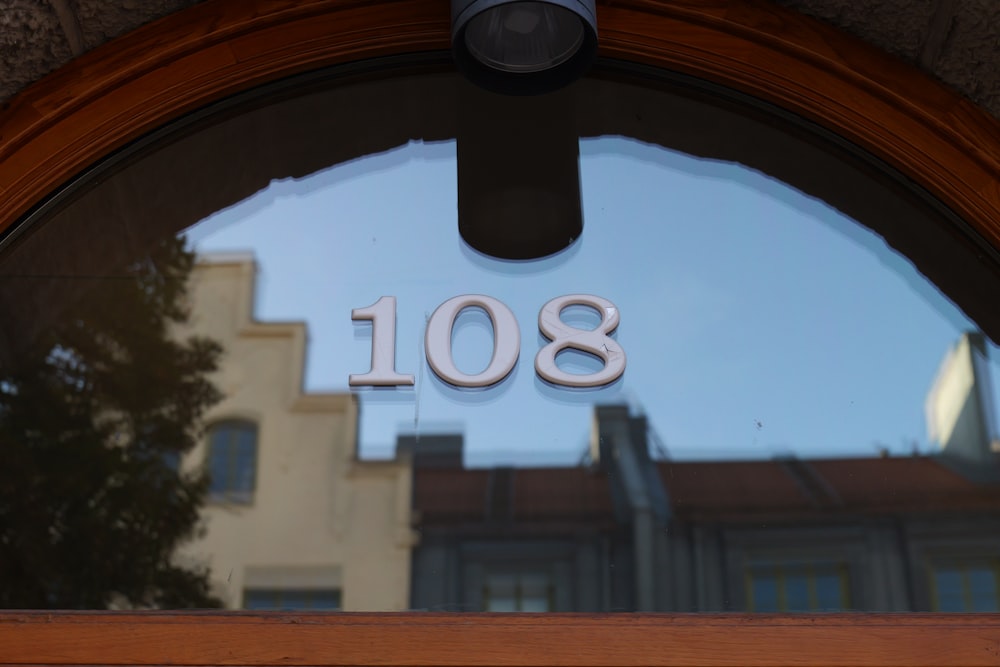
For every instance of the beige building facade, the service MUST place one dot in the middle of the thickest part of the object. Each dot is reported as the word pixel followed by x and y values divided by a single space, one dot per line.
pixel 301 522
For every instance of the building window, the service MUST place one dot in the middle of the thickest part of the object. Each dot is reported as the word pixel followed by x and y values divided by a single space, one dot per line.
pixel 966 587
pixel 791 587
pixel 232 461
pixel 267 599
pixel 518 592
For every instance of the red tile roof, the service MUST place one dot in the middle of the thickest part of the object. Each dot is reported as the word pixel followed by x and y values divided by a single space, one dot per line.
pixel 710 490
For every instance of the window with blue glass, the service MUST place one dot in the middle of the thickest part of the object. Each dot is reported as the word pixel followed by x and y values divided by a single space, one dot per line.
pixel 268 599
pixel 966 586
pixel 518 591
pixel 232 461
pixel 792 587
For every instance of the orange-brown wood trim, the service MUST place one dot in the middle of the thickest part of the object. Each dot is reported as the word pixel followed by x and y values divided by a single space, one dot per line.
pixel 521 640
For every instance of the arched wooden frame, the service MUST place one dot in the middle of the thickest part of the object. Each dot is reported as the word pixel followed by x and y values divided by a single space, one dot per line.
pixel 117 93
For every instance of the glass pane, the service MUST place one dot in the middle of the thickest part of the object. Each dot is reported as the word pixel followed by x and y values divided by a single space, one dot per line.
pixel 324 600
pixel 244 461
pixel 765 593
pixel 797 592
pixel 829 592
pixel 983 588
pixel 747 359
pixel 501 593
pixel 261 600
pixel 500 603
pixel 219 466
pixel 305 600
pixel 950 591
pixel 296 600
pixel 535 604
pixel 535 592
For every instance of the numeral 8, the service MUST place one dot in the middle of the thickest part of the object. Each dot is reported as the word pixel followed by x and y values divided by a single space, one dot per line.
pixel 594 341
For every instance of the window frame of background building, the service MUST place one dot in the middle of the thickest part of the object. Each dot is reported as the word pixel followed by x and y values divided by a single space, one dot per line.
pixel 232 461
pixel 118 94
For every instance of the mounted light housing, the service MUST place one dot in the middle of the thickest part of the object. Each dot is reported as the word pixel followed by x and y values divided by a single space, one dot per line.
pixel 523 47
pixel 518 173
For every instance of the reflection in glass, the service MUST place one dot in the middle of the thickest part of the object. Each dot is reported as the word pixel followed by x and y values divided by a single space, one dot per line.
pixel 232 461
pixel 950 588
pixel 983 587
pixel 831 591
pixel 291 600
pixel 764 593
pixel 805 422
pixel 972 587
pixel 798 587
pixel 95 411
pixel 517 592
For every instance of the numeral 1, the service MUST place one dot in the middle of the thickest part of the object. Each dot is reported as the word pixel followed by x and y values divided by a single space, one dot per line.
pixel 382 315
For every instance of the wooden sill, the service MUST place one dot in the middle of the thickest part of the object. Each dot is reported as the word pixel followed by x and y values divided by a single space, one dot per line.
pixel 516 640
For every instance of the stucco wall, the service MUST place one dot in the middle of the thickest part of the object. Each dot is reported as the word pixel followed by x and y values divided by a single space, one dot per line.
pixel 318 518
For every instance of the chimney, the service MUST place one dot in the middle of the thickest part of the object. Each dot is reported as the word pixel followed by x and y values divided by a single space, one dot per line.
pixel 961 419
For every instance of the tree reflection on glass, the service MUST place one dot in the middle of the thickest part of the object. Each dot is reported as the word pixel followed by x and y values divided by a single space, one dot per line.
pixel 94 418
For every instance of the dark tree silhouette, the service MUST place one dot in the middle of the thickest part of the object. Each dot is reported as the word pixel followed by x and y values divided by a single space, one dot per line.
pixel 94 418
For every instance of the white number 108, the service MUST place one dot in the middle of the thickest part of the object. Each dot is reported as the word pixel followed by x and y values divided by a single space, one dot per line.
pixel 506 342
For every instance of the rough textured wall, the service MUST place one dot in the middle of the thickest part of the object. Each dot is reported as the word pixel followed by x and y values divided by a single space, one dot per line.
pixel 898 26
pixel 31 44
pixel 101 20
pixel 37 36
pixel 970 60
pixel 957 41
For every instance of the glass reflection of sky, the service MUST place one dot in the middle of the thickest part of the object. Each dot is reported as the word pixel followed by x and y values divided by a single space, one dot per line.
pixel 757 321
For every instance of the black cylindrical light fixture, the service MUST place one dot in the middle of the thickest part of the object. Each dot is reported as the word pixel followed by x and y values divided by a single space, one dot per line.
pixel 523 47
pixel 518 173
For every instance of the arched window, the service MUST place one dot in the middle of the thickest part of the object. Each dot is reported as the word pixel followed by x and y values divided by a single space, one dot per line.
pixel 629 137
pixel 232 461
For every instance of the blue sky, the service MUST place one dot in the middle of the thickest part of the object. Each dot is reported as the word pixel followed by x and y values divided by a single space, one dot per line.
pixel 757 321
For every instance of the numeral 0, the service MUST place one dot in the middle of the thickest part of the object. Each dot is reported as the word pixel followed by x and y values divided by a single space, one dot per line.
pixel 506 342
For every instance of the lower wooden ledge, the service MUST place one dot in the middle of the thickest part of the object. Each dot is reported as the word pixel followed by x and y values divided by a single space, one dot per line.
pixel 516 640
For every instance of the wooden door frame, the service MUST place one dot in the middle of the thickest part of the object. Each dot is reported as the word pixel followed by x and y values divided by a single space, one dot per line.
pixel 99 103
